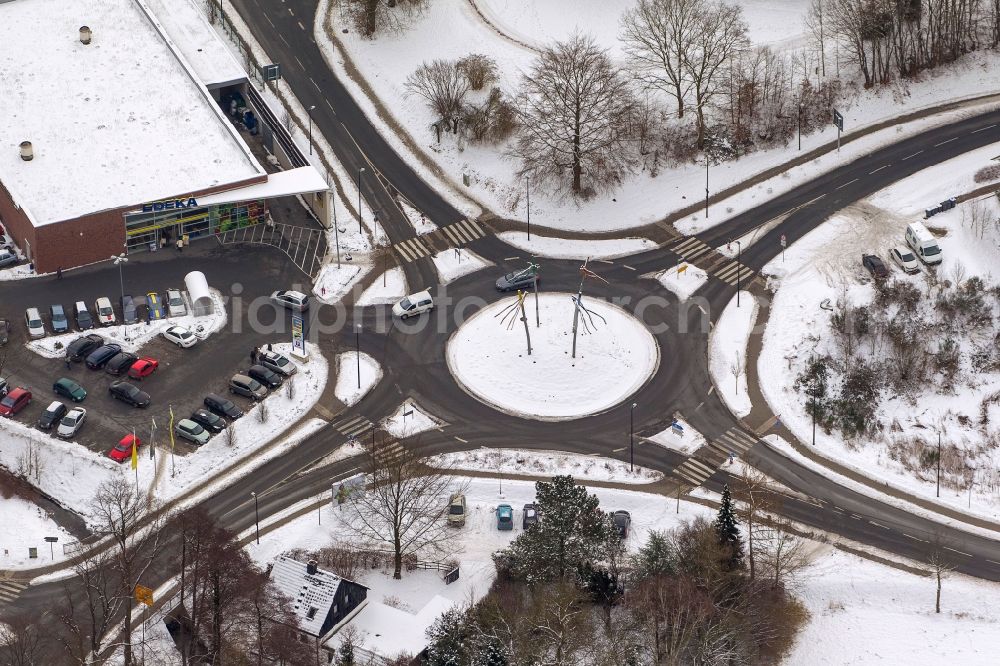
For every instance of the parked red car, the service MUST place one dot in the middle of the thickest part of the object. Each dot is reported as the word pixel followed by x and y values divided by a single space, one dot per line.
pixel 144 367
pixel 15 401
pixel 123 449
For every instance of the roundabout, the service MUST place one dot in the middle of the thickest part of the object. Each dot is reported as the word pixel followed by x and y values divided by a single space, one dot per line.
pixel 615 355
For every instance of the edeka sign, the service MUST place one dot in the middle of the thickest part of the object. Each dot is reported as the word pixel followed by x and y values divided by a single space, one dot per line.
pixel 170 204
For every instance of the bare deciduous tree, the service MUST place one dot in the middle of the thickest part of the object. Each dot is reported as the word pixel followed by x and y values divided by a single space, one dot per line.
pixel 657 34
pixel 372 17
pixel 573 108
pixel 479 69
pixel 941 566
pixel 20 641
pixel 443 85
pixel 737 368
pixel 229 436
pixel 404 507
pixel 87 616
pixel 720 36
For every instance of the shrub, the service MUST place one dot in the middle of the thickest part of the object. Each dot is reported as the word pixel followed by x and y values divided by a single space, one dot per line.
pixel 478 69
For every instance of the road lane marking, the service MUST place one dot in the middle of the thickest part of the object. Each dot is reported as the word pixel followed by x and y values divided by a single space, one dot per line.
pixel 983 129
pixel 510 258
pixel 628 267
pixel 913 537
pixel 879 525
pixel 993 561
pixel 913 155
pixel 300 63
pixel 331 106
pixel 284 40
pixel 699 405
pixel 618 450
pixel 302 26
pixel 318 88
pixel 464 441
pixel 956 551
pixel 854 515
pixel 703 310
pixel 946 141
pixel 291 12
pixel 269 21
pixel 884 166
pixel 846 184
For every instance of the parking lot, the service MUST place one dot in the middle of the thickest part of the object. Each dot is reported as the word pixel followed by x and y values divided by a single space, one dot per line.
pixel 184 376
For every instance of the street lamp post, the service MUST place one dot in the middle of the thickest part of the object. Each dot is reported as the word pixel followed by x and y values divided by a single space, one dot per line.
pixel 256 516
pixel 527 193
pixel 939 464
pixel 311 109
pixel 119 260
pixel 361 170
pixel 357 346
pixel 707 160
pixel 631 438
pixel 739 270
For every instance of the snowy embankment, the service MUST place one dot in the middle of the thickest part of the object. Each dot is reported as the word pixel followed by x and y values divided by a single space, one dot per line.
pixel 386 62
pixel 824 267
pixel 71 474
pixel 563 248
pixel 133 338
pixel 683 280
pixel 357 374
pixel 615 355
pixel 545 465
pixel 727 352
pixel 333 282
pixel 456 263
pixel 25 526
pixel 386 289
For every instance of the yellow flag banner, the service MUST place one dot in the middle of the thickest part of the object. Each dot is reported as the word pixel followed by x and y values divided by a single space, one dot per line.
pixel 135 453
pixel 682 268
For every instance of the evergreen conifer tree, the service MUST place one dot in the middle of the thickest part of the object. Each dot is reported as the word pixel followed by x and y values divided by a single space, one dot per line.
pixel 728 531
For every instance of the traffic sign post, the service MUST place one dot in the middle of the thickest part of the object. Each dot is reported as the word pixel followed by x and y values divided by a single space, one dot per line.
pixel 784 243
pixel 271 72
pixel 51 541
pixel 838 120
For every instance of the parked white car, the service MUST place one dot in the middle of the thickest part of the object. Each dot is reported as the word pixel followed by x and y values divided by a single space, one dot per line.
pixel 905 259
pixel 413 305
pixel 180 336
pixel 105 313
pixel 175 303
pixel 923 243
pixel 33 321
pixel 293 300
pixel 72 422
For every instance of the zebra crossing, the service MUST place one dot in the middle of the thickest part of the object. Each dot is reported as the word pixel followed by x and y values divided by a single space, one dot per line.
pixel 734 442
pixel 9 591
pixel 724 268
pixel 412 249
pixel 353 426
pixel 389 452
pixel 452 235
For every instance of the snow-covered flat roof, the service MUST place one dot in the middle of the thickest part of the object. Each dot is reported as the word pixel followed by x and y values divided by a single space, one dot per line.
pixel 188 28
pixel 114 123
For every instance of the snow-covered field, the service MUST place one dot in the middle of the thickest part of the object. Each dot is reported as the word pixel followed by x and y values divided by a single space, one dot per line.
pixel 409 419
pixel 545 464
pixel 456 263
pixel 386 62
pixel 615 354
pixel 387 288
pixel 24 526
pixel 826 265
pixel 688 441
pixel 354 380
pixel 727 352
pixel 134 338
pixel 563 248
pixel 685 282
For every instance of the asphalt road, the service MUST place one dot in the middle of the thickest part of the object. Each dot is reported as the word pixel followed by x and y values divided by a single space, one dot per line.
pixel 414 361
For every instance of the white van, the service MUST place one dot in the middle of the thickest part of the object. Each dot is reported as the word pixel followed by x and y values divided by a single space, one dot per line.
pixel 33 320
pixel 105 313
pixel 413 305
pixel 923 242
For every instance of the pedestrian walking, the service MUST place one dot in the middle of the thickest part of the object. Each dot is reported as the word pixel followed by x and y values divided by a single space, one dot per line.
pixel 269 347
pixel 68 365
pixel 59 273
pixel 180 244
pixel 253 356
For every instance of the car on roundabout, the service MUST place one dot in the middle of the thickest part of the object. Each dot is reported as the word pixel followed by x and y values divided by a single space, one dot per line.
pixel 293 300
pixel 523 279
pixel 413 305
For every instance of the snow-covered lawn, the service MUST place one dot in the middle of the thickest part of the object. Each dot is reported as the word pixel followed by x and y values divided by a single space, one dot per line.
pixel 615 355
pixel 25 526
pixel 683 282
pixel 134 338
pixel 385 63
pixel 728 350
pixel 862 612
pixel 545 464
pixel 453 264
pixel 420 222
pixel 825 266
pixel 354 380
pixel 408 420
pixel 562 248
pixel 387 288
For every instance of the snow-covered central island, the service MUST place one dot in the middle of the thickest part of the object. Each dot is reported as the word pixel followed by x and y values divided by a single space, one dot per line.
pixel 615 355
